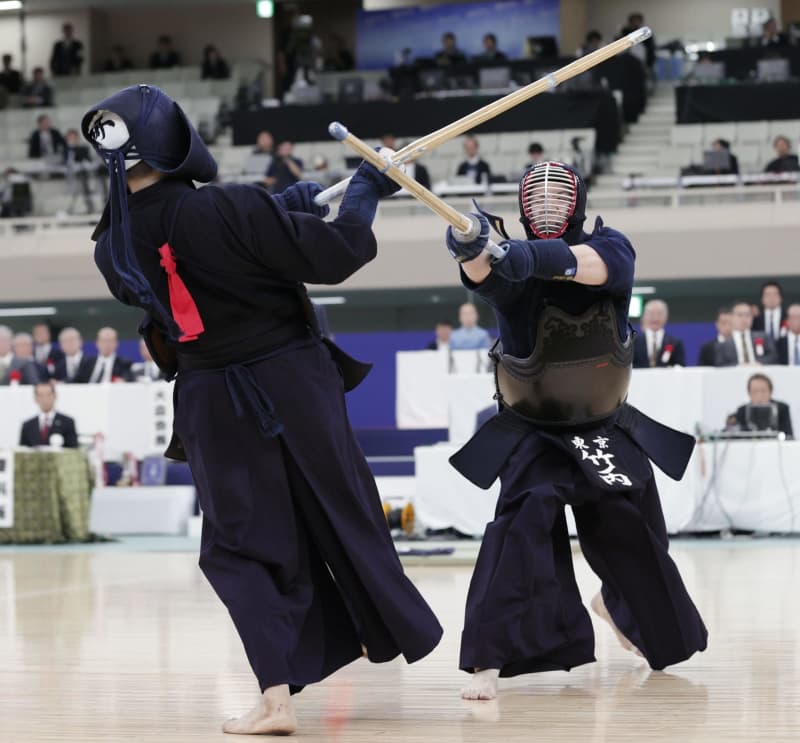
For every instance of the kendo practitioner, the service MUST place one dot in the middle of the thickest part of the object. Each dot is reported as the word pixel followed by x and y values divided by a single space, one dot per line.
pixel 294 539
pixel 564 435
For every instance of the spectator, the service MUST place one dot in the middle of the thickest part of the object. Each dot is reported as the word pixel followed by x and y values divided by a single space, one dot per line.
pixel 145 370
pixel 165 56
pixel 338 58
pixel 107 366
pixel 44 351
pixel 16 198
pixel 75 367
pixel 449 54
pixel 789 344
pixel 414 169
pixel 74 150
pixel 389 140
pixel 322 172
pixel 10 79
pixel 535 154
pixel 654 346
pixel 22 346
pixel 118 61
pixel 444 329
pixel 785 162
pixel 46 141
pixel 593 41
pixel 470 335
pixel 260 159
pixel 732 167
pixel 778 418
pixel 67 56
pixel 720 351
pixel 770 36
pixel 646 51
pixel 43 428
pixel 14 370
pixel 474 166
pixel 751 347
pixel 37 93
pixel 214 66
pixel 284 170
pixel 770 317
pixel 490 51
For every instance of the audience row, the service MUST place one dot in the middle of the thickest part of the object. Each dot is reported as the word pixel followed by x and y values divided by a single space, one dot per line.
pixel 32 358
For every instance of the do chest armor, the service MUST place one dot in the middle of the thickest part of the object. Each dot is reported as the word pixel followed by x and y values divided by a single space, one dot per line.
pixel 579 371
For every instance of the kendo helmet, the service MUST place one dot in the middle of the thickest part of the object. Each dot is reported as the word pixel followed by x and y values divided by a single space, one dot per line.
pixel 141 123
pixel 552 201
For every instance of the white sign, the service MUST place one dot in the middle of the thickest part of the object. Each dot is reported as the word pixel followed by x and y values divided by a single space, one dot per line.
pixel 6 488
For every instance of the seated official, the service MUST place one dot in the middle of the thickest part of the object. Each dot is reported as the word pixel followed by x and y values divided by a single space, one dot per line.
pixel 444 329
pixel 474 166
pixel 720 351
pixel 106 366
pixel 45 427
pixel 654 346
pixel 789 344
pixel 763 413
pixel 470 336
pixel 146 369
pixel 785 161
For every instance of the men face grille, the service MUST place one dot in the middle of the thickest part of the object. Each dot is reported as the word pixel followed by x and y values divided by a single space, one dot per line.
pixel 549 193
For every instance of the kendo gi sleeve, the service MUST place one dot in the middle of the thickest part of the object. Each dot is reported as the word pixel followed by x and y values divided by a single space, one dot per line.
pixel 619 256
pixel 301 247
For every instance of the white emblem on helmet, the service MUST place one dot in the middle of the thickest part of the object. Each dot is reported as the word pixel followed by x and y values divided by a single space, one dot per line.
pixel 108 131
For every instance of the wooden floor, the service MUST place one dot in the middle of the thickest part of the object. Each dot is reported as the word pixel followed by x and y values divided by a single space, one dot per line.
pixel 98 646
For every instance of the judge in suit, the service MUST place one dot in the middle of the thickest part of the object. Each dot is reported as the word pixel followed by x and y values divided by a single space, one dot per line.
pixel 45 351
pixel 106 366
pixel 719 352
pixel 40 430
pixel 75 366
pixel 752 348
pixel 442 339
pixel 789 345
pixel 14 369
pixel 654 346
pixel 772 318
pixel 146 369
pixel 759 389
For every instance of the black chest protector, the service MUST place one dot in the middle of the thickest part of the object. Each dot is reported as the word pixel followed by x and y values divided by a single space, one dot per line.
pixel 578 373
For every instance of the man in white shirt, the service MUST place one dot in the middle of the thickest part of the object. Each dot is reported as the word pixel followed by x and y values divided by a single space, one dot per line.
pixel 108 367
pixel 44 351
pixel 14 369
pixel 770 321
pixel 753 348
pixel 789 345
pixel 470 336
pixel 72 367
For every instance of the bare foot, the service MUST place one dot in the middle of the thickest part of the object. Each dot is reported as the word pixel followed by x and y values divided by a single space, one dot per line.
pixel 482 685
pixel 599 608
pixel 273 715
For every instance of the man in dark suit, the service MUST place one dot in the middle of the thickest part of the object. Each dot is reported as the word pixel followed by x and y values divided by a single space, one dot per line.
pixel 32 371
pixel 46 141
pixel 785 161
pixel 146 369
pixel 751 347
pixel 759 389
pixel 719 352
pixel 442 340
pixel 474 165
pixel 165 56
pixel 67 56
pixel 10 79
pixel 74 367
pixel 771 318
pixel 42 430
pixel 106 366
pixel 789 344
pixel 654 346
pixel 15 370
pixel 45 352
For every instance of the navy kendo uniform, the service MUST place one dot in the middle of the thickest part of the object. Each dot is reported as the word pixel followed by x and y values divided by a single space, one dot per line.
pixel 294 538
pixel 564 435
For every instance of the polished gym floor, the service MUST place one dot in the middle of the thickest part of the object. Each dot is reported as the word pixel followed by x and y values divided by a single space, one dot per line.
pixel 102 643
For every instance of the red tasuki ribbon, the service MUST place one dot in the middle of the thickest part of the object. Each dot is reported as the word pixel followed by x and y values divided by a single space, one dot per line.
pixel 184 310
